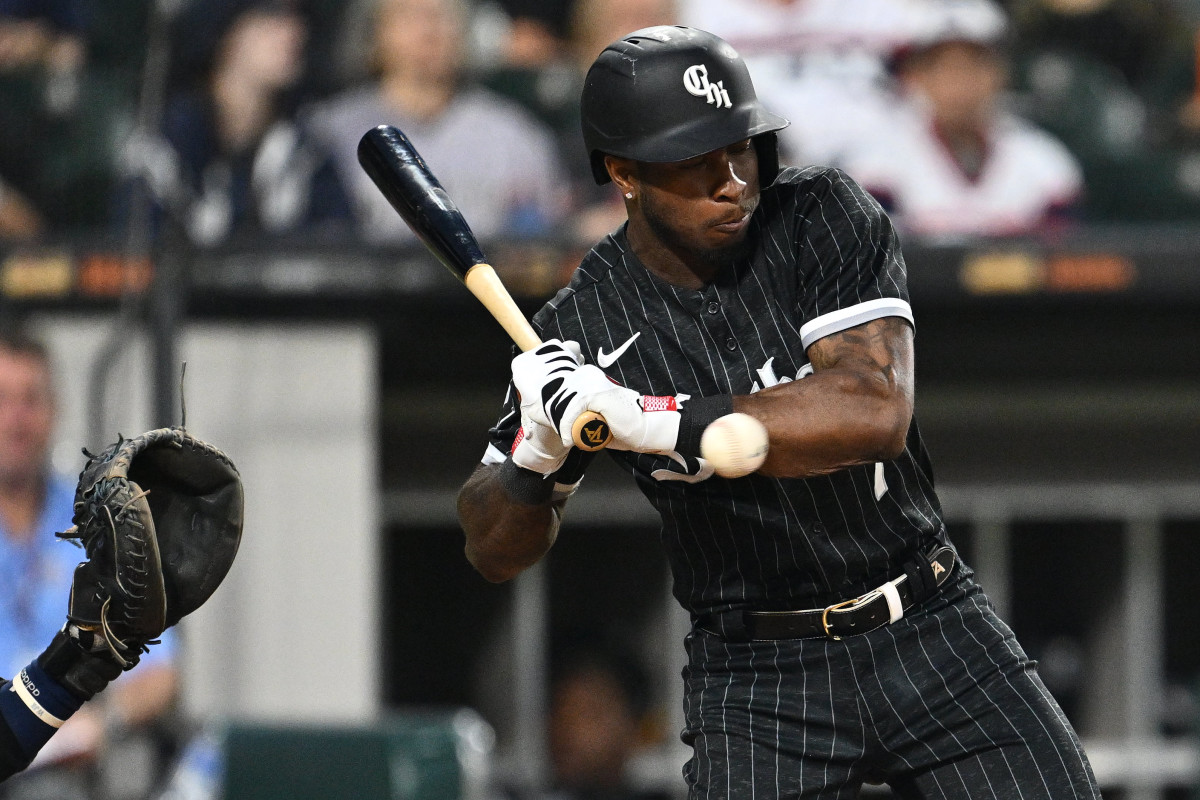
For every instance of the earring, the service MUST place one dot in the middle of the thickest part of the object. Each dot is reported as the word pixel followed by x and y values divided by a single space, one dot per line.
pixel 629 195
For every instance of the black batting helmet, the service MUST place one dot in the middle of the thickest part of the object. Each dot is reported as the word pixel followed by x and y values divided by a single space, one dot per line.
pixel 670 93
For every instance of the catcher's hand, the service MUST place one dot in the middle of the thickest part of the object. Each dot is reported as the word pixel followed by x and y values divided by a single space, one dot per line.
pixel 160 517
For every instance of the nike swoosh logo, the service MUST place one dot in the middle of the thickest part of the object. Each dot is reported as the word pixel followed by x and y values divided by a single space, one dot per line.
pixel 606 360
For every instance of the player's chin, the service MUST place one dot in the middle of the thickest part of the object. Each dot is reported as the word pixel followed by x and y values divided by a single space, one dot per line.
pixel 720 256
pixel 721 244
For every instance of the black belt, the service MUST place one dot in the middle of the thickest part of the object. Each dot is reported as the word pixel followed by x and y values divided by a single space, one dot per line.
pixel 878 607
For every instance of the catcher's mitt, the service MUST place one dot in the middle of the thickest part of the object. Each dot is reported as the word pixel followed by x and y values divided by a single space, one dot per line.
pixel 160 516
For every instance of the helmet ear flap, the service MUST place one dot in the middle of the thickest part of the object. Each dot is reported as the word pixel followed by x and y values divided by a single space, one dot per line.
pixel 599 171
pixel 766 147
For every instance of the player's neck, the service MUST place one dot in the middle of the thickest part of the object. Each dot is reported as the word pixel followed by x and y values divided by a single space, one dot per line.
pixel 672 262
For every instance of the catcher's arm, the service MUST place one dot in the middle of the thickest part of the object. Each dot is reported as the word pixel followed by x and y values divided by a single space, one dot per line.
pixel 35 704
pixel 160 520
pixel 12 753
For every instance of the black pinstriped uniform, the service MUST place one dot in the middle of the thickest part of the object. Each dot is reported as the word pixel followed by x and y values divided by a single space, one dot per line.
pixel 941 703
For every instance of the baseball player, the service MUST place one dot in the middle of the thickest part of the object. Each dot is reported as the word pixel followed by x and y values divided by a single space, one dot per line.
pixel 837 637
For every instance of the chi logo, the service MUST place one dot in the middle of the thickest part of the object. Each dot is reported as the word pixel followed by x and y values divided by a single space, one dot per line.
pixel 767 375
pixel 695 79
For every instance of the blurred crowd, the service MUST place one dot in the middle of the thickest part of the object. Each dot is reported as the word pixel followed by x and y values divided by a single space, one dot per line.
pixel 219 121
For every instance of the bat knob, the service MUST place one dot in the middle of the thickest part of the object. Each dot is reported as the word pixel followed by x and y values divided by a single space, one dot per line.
pixel 590 431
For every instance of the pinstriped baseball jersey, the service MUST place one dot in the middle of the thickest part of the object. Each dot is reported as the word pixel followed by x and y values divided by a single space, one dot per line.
pixel 824 258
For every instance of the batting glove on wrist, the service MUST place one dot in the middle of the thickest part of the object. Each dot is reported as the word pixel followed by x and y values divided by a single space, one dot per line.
pixel 638 422
pixel 538 375
pixel 538 448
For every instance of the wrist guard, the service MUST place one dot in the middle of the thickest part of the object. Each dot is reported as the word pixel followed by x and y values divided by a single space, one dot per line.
pixel 82 672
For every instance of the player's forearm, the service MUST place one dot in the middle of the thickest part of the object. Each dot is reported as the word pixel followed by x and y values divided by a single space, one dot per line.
pixel 504 536
pixel 831 420
pixel 854 409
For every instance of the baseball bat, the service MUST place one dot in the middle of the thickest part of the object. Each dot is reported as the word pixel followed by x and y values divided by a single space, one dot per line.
pixel 390 159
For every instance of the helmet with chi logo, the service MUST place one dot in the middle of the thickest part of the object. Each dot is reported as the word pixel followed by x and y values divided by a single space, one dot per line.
pixel 670 93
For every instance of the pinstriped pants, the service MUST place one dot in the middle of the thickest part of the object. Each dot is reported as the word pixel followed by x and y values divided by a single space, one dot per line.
pixel 943 703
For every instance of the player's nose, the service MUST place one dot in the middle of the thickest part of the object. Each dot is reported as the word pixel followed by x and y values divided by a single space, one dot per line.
pixel 729 183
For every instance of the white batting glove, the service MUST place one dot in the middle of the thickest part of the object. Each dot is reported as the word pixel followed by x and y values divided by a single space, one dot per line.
pixel 538 375
pixel 538 448
pixel 638 422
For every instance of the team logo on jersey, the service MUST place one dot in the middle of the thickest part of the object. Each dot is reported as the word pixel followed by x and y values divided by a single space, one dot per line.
pixel 766 374
pixel 695 80
pixel 693 469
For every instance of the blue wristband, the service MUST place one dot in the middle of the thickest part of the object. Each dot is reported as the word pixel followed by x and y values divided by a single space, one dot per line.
pixel 35 706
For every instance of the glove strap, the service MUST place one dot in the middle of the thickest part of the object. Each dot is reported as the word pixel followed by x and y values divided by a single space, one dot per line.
pixel 694 417
pixel 83 673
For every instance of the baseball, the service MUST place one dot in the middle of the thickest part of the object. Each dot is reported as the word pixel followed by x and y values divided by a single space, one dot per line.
pixel 735 445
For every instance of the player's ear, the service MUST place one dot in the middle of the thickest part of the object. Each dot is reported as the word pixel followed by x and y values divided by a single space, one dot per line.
pixel 623 172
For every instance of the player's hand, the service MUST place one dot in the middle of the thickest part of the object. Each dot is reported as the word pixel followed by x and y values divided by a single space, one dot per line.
pixel 538 447
pixel 638 422
pixel 538 375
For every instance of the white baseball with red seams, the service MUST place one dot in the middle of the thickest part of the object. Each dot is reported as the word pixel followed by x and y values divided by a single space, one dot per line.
pixel 735 445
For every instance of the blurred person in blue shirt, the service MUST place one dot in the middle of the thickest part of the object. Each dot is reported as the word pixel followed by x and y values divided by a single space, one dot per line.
pixel 36 570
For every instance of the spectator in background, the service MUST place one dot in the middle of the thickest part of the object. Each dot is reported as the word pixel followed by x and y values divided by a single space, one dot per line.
pixel 821 63
pixel 598 702
pixel 495 159
pixel 36 570
pixel 1115 80
pixel 952 161
pixel 56 122
pixel 595 24
pixel 1140 50
pixel 232 162
pixel 537 31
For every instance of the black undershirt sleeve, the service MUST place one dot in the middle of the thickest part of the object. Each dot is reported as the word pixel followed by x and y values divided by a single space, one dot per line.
pixel 12 757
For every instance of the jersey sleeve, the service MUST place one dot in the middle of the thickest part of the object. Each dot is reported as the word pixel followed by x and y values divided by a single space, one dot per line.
pixel 852 270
